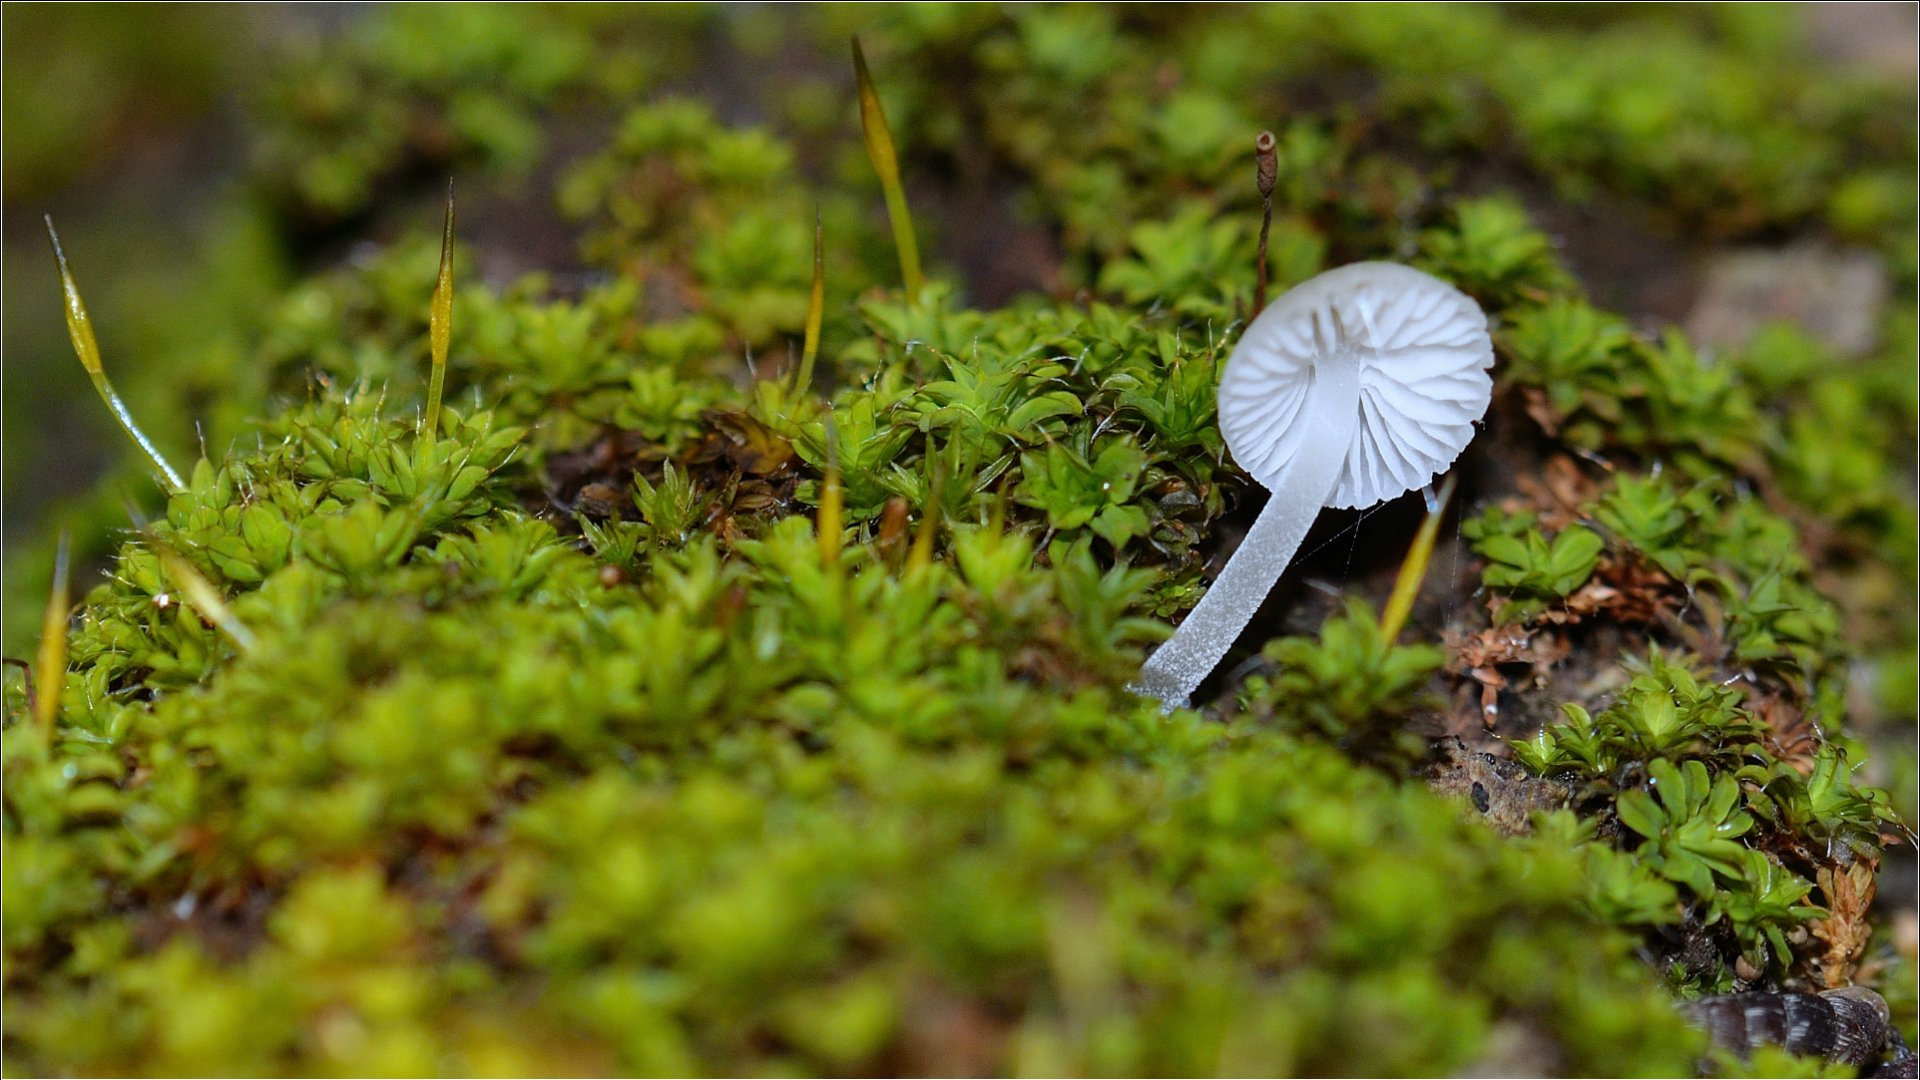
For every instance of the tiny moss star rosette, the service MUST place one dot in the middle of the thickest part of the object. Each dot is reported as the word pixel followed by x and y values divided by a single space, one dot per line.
pixel 1356 386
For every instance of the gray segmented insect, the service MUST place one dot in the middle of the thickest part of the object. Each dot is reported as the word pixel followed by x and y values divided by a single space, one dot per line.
pixel 1848 1026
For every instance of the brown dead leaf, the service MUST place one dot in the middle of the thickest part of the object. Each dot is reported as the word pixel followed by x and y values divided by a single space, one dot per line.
pixel 609 459
pixel 1848 890
pixel 1479 657
pixel 1793 737
pixel 1558 492
pixel 891 538
pixel 743 442
pixel 600 500
pixel 1627 591
pixel 1542 410
pixel 946 1032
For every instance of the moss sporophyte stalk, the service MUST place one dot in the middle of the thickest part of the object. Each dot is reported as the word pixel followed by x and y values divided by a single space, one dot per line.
pixel 712 654
pixel 87 348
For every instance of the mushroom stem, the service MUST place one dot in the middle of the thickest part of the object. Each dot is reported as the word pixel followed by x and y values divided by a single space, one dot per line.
pixel 1330 415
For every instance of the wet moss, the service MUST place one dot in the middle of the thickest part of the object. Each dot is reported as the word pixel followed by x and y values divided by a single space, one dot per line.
pixel 561 740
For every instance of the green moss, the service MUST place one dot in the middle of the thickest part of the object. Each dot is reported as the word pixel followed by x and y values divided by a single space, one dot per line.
pixel 396 92
pixel 563 743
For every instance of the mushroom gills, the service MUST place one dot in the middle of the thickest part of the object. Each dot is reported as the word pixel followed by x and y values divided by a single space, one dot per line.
pixel 1331 414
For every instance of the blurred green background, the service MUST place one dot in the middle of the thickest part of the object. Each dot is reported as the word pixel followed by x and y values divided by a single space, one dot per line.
pixel 197 160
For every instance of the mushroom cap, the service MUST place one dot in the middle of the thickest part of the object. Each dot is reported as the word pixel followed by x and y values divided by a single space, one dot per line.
pixel 1423 352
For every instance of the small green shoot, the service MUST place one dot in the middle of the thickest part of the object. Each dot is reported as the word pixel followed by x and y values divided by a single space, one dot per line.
pixel 1768 903
pixel 1667 711
pixel 1534 571
pixel 1351 685
pixel 440 323
pixel 80 329
pixel 1690 822
pixel 921 555
pixel 1823 804
pixel 1414 570
pixel 1648 514
pixel 1082 488
pixel 52 661
pixel 200 593
pixel 879 139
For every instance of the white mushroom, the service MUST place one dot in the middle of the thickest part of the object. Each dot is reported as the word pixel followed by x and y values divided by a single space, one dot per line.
pixel 1352 388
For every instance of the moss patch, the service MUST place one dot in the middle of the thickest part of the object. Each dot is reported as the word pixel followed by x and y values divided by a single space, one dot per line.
pixel 564 740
